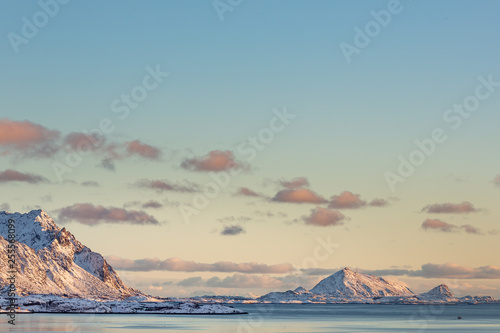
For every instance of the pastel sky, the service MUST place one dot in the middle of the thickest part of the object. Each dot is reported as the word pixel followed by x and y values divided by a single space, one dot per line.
pixel 241 147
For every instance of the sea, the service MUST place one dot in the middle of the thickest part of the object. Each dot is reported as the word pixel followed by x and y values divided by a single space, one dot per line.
pixel 279 318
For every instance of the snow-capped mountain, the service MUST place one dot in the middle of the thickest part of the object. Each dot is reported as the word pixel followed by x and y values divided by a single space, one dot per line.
pixel 50 260
pixel 441 292
pixel 346 286
pixel 346 283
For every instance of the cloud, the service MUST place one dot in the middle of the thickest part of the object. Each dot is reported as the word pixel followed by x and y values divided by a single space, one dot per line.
pixel 449 208
pixel 232 230
pixel 346 200
pixel 234 219
pixel 301 195
pixel 86 213
pixel 246 192
pixel 378 202
pixel 4 206
pixel 191 282
pixel 430 224
pixel 245 281
pixel 152 204
pixel 179 265
pixel 26 138
pixel 82 142
pixel 323 217
pixel 471 229
pixel 448 270
pixel 269 213
pixel 90 183
pixel 215 161
pixel 454 271
pixel 165 185
pixel 108 164
pixel 496 181
pixel 438 225
pixel 143 150
pixel 10 175
pixel 295 183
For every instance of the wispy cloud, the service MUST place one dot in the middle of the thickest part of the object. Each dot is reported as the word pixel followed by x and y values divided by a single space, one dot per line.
pixel 90 183
pixel 89 214
pixel 245 281
pixel 152 204
pixel 450 208
pixel 428 271
pixel 179 265
pixel 165 185
pixel 439 225
pixel 294 183
pixel 10 175
pixel 246 192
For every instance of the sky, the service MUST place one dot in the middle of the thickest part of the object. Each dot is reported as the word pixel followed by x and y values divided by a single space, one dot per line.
pixel 241 147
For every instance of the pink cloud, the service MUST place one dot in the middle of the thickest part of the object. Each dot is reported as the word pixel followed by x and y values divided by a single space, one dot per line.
pixel 24 134
pixel 89 214
pixel 439 225
pixel 10 175
pixel 449 208
pixel 143 150
pixel 300 195
pixel 323 217
pixel 470 229
pixel 346 200
pixel 215 161
pixel 496 181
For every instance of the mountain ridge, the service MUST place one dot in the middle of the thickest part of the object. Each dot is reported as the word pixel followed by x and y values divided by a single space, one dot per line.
pixel 51 260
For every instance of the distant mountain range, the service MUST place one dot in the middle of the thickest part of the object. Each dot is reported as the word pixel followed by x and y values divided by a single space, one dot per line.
pixel 346 286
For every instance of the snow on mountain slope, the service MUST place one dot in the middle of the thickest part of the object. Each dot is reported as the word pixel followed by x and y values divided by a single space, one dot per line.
pixel 50 260
pixel 346 283
pixel 441 292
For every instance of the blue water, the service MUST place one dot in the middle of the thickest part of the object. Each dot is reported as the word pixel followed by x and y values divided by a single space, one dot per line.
pixel 279 318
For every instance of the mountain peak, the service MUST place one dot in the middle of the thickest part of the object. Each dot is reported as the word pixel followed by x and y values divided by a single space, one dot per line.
pixel 346 283
pixel 441 291
pixel 53 261
pixel 36 228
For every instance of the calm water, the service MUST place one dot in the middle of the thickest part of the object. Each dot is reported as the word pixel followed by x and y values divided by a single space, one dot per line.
pixel 280 318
